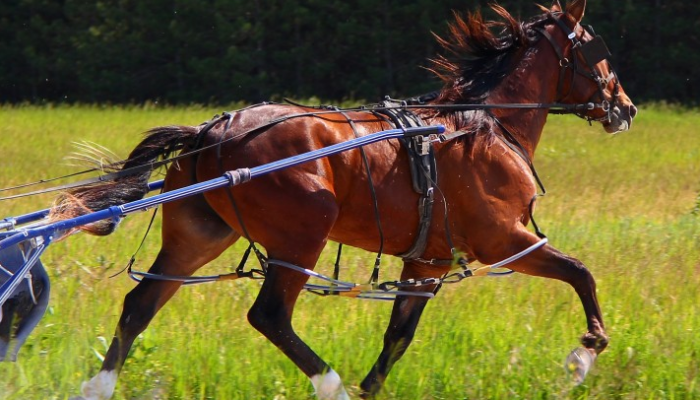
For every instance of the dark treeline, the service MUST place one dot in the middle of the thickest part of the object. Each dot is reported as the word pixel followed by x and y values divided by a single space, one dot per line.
pixel 220 51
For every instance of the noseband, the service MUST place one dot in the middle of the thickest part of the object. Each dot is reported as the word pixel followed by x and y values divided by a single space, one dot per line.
pixel 592 52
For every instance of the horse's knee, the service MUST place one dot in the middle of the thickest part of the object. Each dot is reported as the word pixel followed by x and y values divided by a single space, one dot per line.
pixel 579 276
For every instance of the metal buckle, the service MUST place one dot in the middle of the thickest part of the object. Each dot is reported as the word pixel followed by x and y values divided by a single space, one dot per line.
pixel 422 145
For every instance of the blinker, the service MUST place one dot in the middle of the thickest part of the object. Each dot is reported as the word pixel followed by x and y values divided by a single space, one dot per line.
pixel 595 51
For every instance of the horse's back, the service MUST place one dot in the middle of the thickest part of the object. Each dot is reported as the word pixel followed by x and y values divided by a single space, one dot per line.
pixel 331 197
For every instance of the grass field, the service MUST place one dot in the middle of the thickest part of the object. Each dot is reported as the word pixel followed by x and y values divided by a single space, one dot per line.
pixel 621 204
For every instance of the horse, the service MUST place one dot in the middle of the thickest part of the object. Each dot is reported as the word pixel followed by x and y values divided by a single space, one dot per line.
pixel 365 197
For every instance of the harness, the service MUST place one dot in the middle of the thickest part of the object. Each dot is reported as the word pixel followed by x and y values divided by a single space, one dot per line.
pixel 423 169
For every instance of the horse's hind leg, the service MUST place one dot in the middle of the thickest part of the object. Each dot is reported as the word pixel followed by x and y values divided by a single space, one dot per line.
pixel 298 241
pixel 271 315
pixel 193 235
pixel 405 315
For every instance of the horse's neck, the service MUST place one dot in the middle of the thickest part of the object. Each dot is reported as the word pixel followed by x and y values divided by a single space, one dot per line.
pixel 524 125
pixel 526 85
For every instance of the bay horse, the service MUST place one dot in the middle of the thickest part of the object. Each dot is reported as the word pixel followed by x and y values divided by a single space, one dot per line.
pixel 485 180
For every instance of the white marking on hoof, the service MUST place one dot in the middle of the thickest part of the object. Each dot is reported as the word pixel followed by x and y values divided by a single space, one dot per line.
pixel 578 363
pixel 100 387
pixel 329 386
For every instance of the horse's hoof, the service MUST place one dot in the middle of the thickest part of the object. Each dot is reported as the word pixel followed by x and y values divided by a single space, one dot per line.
pixel 329 386
pixel 578 363
pixel 100 387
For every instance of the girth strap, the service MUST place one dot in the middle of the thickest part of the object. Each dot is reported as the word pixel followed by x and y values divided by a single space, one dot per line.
pixel 423 170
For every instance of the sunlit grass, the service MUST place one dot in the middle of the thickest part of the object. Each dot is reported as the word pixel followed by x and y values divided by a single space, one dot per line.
pixel 621 204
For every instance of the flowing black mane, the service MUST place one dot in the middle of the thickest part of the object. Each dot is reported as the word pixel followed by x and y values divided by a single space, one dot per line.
pixel 479 55
pixel 478 59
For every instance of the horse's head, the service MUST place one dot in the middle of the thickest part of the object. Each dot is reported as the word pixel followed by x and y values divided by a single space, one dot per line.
pixel 586 75
pixel 549 59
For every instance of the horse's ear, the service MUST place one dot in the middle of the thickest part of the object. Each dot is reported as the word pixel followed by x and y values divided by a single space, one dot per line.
pixel 576 9
pixel 556 6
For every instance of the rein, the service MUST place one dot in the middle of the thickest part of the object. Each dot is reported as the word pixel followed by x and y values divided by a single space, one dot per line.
pixel 555 108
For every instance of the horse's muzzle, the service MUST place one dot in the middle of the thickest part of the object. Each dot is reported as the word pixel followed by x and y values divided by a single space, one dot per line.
pixel 621 118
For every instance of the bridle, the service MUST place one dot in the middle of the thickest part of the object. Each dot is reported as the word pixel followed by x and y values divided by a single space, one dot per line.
pixel 592 52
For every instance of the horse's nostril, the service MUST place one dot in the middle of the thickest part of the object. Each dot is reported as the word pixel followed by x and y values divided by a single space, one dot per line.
pixel 633 111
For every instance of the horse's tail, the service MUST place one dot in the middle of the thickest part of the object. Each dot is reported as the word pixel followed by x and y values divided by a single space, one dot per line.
pixel 132 186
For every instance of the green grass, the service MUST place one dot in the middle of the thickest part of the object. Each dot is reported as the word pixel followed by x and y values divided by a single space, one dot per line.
pixel 622 204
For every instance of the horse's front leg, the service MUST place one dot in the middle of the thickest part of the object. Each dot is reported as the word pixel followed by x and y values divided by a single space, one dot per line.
pixel 549 262
pixel 405 316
